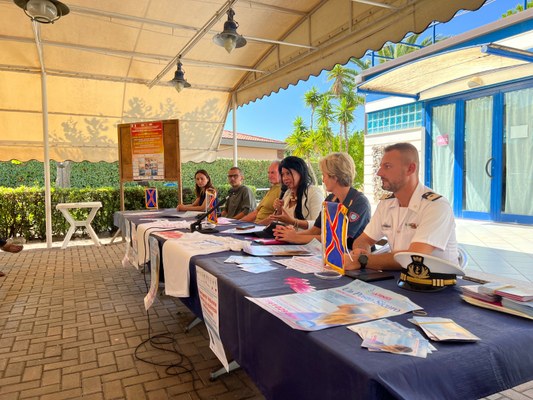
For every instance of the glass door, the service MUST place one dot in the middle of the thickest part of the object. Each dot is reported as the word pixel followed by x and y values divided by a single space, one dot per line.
pixel 517 203
pixel 480 154
pixel 442 150
pixel 478 164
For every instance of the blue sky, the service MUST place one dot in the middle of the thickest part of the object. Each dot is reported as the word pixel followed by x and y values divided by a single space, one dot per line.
pixel 273 116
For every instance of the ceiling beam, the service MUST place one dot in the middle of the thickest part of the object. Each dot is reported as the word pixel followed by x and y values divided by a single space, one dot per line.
pixel 376 4
pixel 132 54
pixel 171 25
pixel 98 77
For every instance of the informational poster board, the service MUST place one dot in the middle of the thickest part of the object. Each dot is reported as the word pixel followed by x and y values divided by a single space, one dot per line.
pixel 149 151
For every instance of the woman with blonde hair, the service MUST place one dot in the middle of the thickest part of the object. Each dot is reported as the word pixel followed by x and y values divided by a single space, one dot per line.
pixel 338 174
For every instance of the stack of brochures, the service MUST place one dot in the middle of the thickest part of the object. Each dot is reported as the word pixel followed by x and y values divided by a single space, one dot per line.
pixel 507 298
pixel 518 299
pixel 443 329
pixel 387 336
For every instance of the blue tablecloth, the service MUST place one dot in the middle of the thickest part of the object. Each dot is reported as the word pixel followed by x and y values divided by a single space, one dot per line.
pixel 330 364
pixel 291 364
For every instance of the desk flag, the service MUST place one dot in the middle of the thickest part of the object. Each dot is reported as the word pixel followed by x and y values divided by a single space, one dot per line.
pixel 211 201
pixel 334 234
pixel 150 198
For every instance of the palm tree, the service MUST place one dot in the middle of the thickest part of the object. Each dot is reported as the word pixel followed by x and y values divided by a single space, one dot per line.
pixel 301 143
pixel 517 9
pixel 408 45
pixel 344 113
pixel 324 134
pixel 296 141
pixel 343 80
pixel 361 63
pixel 312 99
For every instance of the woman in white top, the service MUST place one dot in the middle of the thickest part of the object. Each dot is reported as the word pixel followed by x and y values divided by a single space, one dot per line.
pixel 302 202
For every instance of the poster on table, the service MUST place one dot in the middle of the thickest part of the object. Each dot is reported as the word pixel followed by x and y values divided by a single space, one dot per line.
pixel 147 150
pixel 208 292
pixel 349 304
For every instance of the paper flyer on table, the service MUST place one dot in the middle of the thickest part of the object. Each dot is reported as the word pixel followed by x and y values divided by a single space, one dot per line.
pixel 208 293
pixel 304 265
pixel 284 250
pixel 356 302
pixel 238 231
pixel 189 214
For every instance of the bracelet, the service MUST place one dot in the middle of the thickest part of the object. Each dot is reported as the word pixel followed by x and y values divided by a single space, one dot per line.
pixel 296 224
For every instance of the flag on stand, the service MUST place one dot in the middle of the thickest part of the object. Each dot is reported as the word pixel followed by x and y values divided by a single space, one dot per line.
pixel 150 197
pixel 334 234
pixel 211 201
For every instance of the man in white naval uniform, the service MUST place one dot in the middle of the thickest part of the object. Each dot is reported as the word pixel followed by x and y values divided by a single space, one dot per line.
pixel 411 217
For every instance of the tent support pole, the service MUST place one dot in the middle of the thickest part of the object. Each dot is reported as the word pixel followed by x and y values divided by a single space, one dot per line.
pixel 234 105
pixel 47 191
pixel 44 93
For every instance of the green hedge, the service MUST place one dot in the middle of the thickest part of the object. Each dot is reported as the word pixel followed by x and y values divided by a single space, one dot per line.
pixel 14 174
pixel 22 210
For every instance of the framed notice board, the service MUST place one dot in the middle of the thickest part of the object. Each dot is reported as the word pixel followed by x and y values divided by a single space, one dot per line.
pixel 149 151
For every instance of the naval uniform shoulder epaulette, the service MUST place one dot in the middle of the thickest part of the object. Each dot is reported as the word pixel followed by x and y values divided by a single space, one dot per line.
pixel 431 196
pixel 387 196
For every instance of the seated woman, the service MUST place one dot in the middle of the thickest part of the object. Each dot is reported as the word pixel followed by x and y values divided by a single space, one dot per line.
pixel 338 173
pixel 203 183
pixel 301 203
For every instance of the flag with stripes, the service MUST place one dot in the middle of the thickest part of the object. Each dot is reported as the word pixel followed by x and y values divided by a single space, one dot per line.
pixel 150 197
pixel 211 201
pixel 334 234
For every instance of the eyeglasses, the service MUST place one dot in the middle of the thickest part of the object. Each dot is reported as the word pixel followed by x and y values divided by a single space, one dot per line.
pixel 233 176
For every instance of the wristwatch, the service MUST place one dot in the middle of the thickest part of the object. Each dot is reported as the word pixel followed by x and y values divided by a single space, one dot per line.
pixel 363 260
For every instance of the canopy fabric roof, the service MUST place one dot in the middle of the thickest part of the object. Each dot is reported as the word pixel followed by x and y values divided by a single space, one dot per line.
pixel 108 62
pixel 448 72
pixel 452 72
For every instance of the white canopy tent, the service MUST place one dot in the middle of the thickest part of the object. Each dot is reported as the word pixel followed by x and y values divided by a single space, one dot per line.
pixel 101 57
pixel 107 62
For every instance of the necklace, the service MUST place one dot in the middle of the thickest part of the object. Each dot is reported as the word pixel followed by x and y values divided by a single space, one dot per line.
pixel 293 197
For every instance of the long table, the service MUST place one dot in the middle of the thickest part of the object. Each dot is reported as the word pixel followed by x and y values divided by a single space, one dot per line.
pixel 292 364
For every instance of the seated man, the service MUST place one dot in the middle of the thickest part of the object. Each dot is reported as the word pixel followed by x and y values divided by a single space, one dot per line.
pixel 266 206
pixel 10 248
pixel 412 217
pixel 241 199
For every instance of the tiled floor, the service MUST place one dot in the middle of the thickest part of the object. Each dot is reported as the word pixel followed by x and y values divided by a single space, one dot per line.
pixel 70 321
pixel 501 249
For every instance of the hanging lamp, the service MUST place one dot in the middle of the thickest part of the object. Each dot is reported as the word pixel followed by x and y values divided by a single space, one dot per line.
pixel 229 38
pixel 179 81
pixel 43 11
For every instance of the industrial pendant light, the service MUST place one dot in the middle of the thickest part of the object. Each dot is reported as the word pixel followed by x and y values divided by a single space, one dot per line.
pixel 229 38
pixel 179 81
pixel 43 11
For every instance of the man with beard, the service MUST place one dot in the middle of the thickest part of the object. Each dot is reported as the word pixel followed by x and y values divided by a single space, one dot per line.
pixel 411 216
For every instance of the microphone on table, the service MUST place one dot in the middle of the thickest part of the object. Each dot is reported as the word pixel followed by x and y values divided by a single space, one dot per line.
pixel 197 226
pixel 284 189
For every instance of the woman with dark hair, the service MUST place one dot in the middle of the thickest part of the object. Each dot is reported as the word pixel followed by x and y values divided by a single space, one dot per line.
pixel 301 203
pixel 203 184
pixel 338 174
